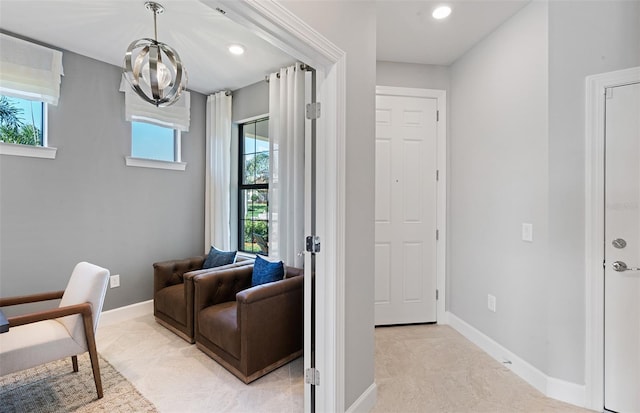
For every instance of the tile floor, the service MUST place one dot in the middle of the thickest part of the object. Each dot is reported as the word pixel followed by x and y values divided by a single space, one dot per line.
pixel 424 368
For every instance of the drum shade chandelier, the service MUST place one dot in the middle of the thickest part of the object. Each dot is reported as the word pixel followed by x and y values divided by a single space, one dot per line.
pixel 153 68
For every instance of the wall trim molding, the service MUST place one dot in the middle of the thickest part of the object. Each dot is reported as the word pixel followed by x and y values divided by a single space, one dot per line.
pixel 366 402
pixel 120 314
pixel 549 386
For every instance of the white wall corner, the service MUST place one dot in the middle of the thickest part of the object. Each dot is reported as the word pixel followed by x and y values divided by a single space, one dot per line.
pixel 549 386
pixel 366 402
pixel 120 314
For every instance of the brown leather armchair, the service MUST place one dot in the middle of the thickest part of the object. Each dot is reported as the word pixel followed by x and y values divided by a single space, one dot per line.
pixel 173 292
pixel 250 331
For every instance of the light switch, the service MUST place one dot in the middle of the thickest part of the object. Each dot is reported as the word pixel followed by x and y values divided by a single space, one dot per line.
pixel 527 232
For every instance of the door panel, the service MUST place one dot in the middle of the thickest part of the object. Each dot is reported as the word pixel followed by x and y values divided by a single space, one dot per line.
pixel 405 210
pixel 622 244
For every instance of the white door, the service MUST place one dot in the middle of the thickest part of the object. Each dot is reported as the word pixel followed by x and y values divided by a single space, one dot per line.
pixel 622 250
pixel 405 210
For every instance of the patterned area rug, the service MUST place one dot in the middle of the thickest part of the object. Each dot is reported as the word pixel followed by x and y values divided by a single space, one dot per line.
pixel 54 387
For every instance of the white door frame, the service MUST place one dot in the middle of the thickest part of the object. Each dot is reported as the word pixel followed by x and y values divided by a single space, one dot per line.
pixel 441 193
pixel 594 228
pixel 277 25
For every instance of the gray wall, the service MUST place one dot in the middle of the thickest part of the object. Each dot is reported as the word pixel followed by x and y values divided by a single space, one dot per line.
pixel 585 38
pixel 412 75
pixel 518 156
pixel 87 205
pixel 351 25
pixel 250 101
pixel 498 180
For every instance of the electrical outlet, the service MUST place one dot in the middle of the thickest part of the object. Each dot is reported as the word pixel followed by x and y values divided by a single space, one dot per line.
pixel 491 303
pixel 114 281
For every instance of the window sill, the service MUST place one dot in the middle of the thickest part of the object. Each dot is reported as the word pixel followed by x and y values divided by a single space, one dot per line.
pixel 152 163
pixel 14 149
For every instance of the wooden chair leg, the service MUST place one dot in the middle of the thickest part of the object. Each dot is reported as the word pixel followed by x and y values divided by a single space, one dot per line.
pixel 93 353
pixel 74 361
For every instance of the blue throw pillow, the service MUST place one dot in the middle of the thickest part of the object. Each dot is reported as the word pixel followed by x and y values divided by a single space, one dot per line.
pixel 266 271
pixel 217 258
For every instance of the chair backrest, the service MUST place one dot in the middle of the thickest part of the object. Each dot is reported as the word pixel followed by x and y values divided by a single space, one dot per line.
pixel 88 284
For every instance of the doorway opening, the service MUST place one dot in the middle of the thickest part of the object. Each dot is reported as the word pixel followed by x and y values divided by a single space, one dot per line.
pixel 410 206
pixel 274 23
pixel 597 86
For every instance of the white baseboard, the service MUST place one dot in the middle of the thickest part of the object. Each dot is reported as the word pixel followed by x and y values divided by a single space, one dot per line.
pixel 549 386
pixel 127 312
pixel 366 401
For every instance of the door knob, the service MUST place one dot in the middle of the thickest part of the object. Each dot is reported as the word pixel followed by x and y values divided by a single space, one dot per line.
pixel 621 266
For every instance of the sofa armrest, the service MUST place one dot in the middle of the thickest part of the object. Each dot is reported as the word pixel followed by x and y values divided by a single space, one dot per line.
pixel 221 286
pixel 269 290
pixel 167 273
pixel 192 274
pixel 271 322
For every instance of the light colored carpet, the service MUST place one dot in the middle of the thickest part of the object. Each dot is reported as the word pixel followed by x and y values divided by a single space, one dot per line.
pixel 54 387
pixel 431 368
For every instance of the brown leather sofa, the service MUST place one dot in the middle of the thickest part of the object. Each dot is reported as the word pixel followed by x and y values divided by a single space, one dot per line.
pixel 250 331
pixel 173 292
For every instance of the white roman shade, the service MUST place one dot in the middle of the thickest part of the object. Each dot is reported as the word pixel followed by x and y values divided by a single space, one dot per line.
pixel 176 116
pixel 29 71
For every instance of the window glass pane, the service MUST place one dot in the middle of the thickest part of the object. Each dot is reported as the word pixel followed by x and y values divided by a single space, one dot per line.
pixel 21 121
pixel 261 166
pixel 249 170
pixel 262 136
pixel 152 142
pixel 254 205
pixel 249 130
pixel 254 220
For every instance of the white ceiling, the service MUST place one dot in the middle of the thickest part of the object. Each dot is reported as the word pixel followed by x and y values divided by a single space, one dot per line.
pixel 406 32
pixel 103 29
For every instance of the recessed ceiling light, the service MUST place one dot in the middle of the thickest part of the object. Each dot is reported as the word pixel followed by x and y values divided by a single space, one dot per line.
pixel 441 12
pixel 236 49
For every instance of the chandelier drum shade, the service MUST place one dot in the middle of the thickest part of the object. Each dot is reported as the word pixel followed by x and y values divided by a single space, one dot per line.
pixel 153 68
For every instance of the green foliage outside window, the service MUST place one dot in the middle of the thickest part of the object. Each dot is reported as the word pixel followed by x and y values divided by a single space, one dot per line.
pixel 13 128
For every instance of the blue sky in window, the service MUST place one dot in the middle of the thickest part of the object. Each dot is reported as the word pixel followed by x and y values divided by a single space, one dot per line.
pixel 152 142
pixel 29 108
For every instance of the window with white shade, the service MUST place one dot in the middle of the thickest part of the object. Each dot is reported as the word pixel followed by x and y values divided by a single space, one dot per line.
pixel 156 132
pixel 30 76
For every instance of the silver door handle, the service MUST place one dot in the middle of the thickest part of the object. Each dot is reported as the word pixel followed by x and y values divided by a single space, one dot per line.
pixel 621 266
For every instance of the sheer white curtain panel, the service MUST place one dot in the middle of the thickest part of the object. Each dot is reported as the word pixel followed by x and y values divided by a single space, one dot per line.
pixel 218 172
pixel 29 71
pixel 286 157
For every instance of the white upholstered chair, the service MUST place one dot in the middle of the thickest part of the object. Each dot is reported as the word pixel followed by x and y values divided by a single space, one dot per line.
pixel 66 331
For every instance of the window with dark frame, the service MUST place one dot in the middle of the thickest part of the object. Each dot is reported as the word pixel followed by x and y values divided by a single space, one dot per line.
pixel 253 187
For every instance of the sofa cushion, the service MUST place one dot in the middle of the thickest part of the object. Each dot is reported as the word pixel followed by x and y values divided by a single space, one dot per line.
pixel 171 302
pixel 217 258
pixel 219 325
pixel 266 271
